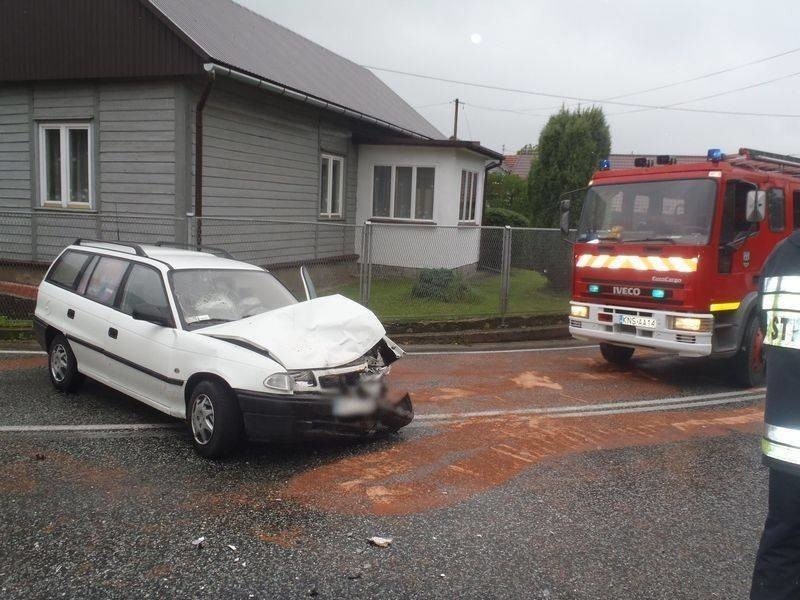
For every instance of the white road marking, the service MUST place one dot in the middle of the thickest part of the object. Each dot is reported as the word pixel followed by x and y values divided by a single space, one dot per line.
pixel 38 352
pixel 506 351
pixel 97 427
pixel 580 408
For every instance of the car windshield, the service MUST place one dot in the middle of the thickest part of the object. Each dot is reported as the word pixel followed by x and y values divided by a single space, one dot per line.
pixel 678 211
pixel 212 296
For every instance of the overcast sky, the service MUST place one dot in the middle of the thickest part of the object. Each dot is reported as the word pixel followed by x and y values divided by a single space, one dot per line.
pixel 594 49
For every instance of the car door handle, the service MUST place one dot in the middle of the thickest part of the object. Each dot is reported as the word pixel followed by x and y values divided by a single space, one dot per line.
pixel 71 314
pixel 112 333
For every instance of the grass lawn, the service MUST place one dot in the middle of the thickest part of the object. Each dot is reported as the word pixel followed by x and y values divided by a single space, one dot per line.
pixel 528 294
pixel 9 323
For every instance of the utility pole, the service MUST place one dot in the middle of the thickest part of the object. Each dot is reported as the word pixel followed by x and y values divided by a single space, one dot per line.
pixel 455 122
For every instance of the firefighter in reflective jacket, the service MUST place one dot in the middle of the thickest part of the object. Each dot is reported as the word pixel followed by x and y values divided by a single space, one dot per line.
pixel 777 569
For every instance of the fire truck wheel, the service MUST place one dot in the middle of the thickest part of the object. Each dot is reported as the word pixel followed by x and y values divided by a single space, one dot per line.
pixel 749 367
pixel 618 355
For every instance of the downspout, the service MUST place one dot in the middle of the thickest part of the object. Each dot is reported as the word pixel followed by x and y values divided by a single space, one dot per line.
pixel 198 158
pixel 486 170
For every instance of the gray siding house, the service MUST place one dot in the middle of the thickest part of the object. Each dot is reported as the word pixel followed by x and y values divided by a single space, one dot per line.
pixel 120 119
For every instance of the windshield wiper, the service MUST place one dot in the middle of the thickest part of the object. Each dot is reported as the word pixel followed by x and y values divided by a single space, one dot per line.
pixel 650 239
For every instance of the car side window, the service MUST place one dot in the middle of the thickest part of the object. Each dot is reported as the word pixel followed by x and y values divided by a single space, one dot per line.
pixel 776 209
pixel 104 282
pixel 144 286
pixel 68 268
pixel 796 209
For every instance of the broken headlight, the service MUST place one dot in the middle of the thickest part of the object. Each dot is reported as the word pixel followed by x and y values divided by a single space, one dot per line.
pixel 303 380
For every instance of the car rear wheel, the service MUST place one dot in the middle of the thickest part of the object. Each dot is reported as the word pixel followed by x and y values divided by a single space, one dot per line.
pixel 62 366
pixel 215 421
pixel 749 366
pixel 618 355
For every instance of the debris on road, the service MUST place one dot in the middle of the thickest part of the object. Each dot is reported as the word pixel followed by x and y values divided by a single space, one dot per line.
pixel 40 456
pixel 354 575
pixel 232 547
pixel 199 542
pixel 380 542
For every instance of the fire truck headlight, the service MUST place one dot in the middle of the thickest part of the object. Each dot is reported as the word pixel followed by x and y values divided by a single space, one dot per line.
pixel 580 311
pixel 690 324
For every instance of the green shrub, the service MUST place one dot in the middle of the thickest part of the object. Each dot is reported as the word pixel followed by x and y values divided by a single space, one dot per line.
pixel 443 285
pixel 504 216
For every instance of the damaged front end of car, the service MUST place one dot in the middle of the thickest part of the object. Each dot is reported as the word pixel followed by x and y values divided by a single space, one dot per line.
pixel 350 399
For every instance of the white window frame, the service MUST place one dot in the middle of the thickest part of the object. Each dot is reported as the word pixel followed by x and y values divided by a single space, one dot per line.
pixel 469 215
pixel 64 129
pixel 329 192
pixel 413 211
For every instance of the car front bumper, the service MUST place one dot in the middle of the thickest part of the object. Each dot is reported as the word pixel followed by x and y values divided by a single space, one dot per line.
pixel 277 416
pixel 661 338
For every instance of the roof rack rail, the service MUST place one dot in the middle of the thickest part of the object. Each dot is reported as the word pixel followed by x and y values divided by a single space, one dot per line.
pixel 90 242
pixel 200 248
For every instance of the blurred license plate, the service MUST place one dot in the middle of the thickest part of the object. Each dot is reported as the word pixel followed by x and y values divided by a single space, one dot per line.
pixel 635 321
pixel 353 407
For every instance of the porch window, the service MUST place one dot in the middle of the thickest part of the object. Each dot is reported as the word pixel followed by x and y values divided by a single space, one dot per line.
pixel 331 185
pixel 66 166
pixel 469 193
pixel 403 192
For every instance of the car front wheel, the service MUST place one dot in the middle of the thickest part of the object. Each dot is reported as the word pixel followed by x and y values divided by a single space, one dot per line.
pixel 214 419
pixel 62 366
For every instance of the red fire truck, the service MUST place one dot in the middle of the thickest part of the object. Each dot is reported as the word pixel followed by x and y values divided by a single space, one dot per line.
pixel 668 256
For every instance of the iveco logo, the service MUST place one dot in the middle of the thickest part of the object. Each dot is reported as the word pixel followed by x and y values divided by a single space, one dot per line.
pixel 627 291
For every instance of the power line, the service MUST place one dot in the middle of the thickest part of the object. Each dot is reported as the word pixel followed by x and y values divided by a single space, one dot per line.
pixel 582 99
pixel 716 95
pixel 706 75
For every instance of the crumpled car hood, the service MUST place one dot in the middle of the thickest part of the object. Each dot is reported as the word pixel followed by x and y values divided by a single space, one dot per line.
pixel 324 332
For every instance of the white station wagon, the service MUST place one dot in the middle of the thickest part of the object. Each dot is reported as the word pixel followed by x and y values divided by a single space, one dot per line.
pixel 217 342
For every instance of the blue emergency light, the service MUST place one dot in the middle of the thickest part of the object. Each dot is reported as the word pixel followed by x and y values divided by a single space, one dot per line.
pixel 594 288
pixel 605 164
pixel 658 294
pixel 715 155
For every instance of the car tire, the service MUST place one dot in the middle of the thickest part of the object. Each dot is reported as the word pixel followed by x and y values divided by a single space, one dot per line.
pixel 62 366
pixel 749 365
pixel 214 419
pixel 617 355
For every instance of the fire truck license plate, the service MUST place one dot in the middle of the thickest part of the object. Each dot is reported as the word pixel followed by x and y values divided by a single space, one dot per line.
pixel 636 321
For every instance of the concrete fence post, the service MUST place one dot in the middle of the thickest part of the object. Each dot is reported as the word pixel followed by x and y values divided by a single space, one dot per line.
pixel 505 272
pixel 191 229
pixel 366 268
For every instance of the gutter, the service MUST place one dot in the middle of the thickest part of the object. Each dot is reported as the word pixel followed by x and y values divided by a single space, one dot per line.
pixel 198 158
pixel 282 90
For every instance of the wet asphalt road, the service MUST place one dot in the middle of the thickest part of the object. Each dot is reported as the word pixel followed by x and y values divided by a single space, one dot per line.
pixel 519 504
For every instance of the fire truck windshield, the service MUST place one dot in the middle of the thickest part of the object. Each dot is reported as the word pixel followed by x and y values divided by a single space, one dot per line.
pixel 677 211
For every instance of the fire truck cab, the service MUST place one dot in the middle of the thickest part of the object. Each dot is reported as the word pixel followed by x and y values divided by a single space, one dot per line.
pixel 668 256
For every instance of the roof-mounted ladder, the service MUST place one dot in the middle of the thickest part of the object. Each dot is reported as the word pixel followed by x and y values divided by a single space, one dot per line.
pixel 759 160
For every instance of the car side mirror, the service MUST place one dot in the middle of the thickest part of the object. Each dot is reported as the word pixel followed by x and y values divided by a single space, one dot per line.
pixel 308 284
pixel 564 217
pixel 152 314
pixel 756 206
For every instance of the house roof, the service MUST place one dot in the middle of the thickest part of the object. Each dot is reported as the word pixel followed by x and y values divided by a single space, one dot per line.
pixel 474 146
pixel 518 164
pixel 230 34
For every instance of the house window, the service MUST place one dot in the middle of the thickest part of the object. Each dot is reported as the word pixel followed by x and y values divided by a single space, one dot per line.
pixel 331 185
pixel 66 165
pixel 469 193
pixel 403 192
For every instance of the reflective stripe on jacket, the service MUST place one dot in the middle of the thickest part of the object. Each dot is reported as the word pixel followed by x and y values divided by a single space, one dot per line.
pixel 780 305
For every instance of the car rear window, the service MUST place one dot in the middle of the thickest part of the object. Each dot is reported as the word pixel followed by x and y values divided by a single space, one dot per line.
pixel 66 271
pixel 105 280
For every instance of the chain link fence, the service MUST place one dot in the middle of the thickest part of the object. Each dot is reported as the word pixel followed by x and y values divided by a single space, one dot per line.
pixel 404 272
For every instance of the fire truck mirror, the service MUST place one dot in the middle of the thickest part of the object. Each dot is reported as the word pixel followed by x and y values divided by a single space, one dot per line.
pixel 564 221
pixel 756 206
